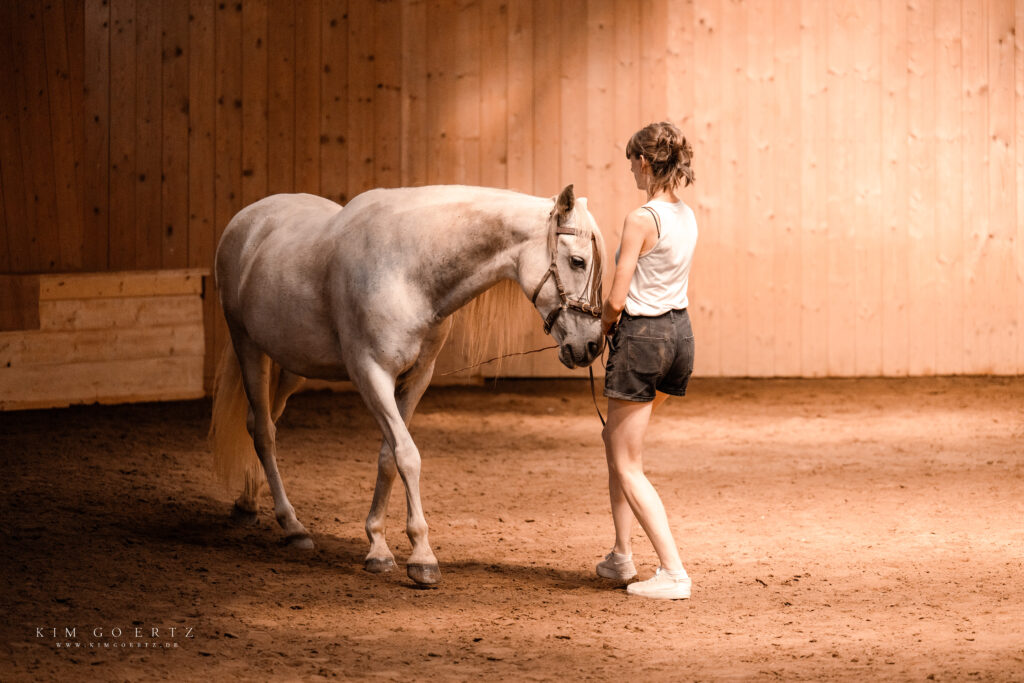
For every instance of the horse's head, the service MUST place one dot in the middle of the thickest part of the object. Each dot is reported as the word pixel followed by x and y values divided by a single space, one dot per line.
pixel 568 295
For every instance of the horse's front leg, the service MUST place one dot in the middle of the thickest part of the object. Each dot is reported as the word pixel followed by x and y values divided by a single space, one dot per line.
pixel 377 388
pixel 408 393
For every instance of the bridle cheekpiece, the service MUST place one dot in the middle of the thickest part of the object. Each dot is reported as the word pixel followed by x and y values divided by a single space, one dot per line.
pixel 565 303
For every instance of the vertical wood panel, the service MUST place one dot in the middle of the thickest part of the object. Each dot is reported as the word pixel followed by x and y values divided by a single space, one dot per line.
pixel 758 223
pixel 227 126
pixel 494 94
pixel 307 96
pixel 74 30
pixel 12 175
pixel 814 167
pixel 626 117
pixel 148 135
pixel 43 248
pixel 334 101
pixel 844 16
pixel 122 135
pixel 67 153
pixel 5 254
pixel 600 135
pixel 255 100
pixel 202 229
pixel 414 93
pixel 281 115
pixel 546 99
pixel 653 48
pixel 520 96
pixel 868 216
pixel 707 279
pixel 97 123
pixel 977 255
pixel 572 86
pixel 734 188
pixel 361 95
pixel 923 270
pixel 387 104
pixel 949 290
pixel 467 94
pixel 175 165
pixel 786 242
pixel 894 322
pixel 1018 280
pixel 1002 326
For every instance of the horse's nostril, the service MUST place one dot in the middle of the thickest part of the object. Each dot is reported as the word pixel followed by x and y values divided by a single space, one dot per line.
pixel 593 348
pixel 568 350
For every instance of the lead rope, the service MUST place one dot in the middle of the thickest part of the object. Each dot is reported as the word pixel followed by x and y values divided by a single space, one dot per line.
pixel 593 389
pixel 491 360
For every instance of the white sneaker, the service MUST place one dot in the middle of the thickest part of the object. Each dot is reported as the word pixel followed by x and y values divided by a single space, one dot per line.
pixel 615 566
pixel 662 585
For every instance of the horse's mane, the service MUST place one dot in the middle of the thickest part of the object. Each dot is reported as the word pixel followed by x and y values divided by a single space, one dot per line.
pixel 502 320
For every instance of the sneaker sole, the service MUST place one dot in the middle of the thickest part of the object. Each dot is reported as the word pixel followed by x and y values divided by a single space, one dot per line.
pixel 660 596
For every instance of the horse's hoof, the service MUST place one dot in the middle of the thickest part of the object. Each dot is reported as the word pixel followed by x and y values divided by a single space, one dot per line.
pixel 424 574
pixel 376 565
pixel 300 542
pixel 243 517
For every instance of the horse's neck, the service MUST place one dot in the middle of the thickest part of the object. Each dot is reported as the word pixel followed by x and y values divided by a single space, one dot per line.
pixel 491 250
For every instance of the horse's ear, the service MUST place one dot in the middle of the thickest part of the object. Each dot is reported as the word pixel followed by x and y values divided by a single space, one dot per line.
pixel 565 201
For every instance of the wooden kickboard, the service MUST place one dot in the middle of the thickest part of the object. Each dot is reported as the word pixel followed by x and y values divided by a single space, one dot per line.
pixel 102 338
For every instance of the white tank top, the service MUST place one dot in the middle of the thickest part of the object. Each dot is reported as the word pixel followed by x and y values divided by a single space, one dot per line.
pixel 663 273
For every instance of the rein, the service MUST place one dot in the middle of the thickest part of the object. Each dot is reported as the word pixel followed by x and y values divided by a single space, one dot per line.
pixel 590 369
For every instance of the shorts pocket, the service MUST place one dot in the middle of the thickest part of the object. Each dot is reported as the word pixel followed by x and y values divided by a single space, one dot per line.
pixel 646 355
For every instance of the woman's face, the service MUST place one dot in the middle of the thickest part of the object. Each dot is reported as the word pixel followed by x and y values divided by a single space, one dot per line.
pixel 641 172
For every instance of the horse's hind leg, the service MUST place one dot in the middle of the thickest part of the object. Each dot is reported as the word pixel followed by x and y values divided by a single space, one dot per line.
pixel 246 507
pixel 287 384
pixel 255 376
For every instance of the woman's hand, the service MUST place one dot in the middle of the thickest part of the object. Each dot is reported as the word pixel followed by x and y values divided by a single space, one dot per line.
pixel 608 326
pixel 609 317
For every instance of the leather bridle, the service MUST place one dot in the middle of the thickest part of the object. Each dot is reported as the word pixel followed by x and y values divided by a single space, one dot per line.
pixel 565 303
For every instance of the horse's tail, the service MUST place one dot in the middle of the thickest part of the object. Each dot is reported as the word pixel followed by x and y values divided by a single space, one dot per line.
pixel 234 456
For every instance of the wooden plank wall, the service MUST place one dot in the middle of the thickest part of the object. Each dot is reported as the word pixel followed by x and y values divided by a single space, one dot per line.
pixel 860 163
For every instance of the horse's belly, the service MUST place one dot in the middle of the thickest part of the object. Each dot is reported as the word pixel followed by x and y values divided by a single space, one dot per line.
pixel 302 344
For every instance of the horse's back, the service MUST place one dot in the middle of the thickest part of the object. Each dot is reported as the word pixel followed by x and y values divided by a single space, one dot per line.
pixel 271 267
pixel 288 212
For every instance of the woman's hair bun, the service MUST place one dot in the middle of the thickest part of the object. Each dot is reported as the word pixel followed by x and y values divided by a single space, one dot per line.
pixel 667 152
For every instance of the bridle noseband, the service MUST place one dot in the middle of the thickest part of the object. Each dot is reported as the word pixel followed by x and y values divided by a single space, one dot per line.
pixel 564 301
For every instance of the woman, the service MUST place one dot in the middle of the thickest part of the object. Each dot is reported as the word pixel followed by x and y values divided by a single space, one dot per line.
pixel 651 350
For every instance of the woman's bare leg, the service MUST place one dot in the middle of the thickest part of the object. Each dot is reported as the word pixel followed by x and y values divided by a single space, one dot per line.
pixel 623 438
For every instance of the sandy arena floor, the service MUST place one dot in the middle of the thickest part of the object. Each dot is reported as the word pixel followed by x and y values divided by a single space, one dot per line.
pixel 840 530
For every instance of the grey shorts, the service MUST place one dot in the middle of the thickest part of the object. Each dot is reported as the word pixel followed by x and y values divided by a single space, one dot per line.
pixel 649 354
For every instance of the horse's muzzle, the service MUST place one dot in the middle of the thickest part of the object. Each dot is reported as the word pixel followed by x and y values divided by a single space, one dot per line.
pixel 580 356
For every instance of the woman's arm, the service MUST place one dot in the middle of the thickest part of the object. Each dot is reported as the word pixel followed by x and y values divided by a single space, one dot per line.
pixel 638 231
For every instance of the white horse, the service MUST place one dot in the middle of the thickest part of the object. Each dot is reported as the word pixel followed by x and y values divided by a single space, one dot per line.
pixel 366 293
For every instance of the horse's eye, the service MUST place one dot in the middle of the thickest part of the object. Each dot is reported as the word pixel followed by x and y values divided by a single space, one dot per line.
pixel 577 262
